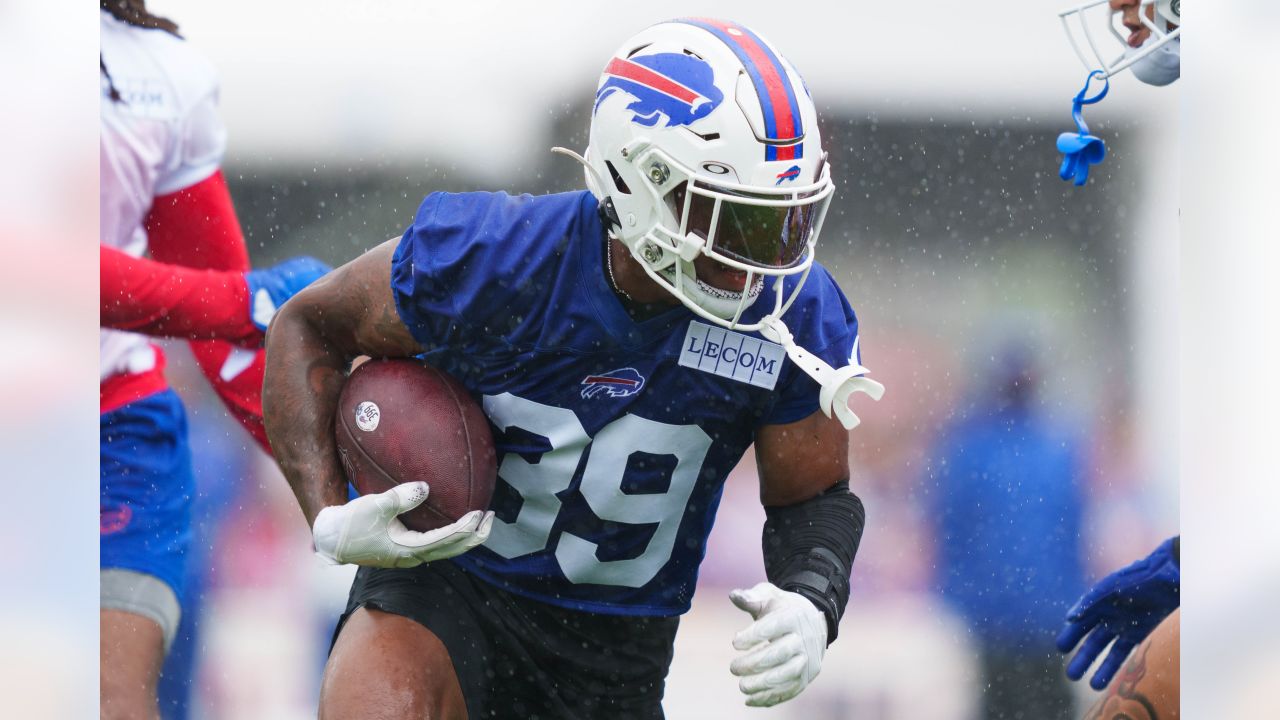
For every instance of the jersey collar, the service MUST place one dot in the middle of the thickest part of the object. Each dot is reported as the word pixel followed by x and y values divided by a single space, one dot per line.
pixel 618 324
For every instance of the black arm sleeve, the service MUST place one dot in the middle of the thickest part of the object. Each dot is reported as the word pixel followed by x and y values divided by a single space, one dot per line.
pixel 809 549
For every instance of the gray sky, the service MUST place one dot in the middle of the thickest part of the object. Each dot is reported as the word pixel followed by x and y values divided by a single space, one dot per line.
pixel 475 83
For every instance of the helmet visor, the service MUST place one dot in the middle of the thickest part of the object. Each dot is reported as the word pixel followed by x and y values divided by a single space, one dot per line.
pixel 754 229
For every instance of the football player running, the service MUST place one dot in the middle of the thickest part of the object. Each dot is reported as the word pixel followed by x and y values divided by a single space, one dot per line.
pixel 162 192
pixel 628 343
pixel 1135 607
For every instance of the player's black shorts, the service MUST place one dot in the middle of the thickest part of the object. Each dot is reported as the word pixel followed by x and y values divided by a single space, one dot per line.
pixel 519 658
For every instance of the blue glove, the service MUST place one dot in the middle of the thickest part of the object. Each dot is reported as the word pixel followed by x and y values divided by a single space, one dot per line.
pixel 1125 606
pixel 270 288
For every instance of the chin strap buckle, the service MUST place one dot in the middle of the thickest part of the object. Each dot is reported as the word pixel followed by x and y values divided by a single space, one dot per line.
pixel 837 385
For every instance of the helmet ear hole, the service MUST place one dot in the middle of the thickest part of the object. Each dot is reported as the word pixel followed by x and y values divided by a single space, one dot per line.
pixel 618 182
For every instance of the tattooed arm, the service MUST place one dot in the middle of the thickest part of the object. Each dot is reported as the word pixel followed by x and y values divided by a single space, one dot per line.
pixel 1147 687
pixel 310 346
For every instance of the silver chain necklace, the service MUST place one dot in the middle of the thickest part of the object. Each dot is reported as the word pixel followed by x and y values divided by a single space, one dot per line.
pixel 609 263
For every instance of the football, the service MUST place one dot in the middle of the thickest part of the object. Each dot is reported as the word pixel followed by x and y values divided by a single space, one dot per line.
pixel 402 421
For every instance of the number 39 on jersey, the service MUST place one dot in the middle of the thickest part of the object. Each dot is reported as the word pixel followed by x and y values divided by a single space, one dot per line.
pixel 601 486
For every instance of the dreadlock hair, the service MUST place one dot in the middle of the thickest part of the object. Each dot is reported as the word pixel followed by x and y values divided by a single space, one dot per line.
pixel 112 92
pixel 135 13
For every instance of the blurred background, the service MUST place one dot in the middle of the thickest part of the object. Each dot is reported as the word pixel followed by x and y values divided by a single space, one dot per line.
pixel 1027 443
pixel 1028 440
pixel 1027 330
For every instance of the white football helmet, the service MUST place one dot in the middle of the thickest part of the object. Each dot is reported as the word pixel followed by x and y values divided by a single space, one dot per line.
pixel 704 141
pixel 1081 21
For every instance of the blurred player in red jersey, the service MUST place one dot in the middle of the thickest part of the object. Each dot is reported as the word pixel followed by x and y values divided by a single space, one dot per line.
pixel 1133 611
pixel 162 192
pixel 164 300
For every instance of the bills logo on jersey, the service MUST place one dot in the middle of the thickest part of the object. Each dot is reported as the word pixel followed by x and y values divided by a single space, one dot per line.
pixel 623 382
pixel 732 355
pixel 790 173
pixel 672 86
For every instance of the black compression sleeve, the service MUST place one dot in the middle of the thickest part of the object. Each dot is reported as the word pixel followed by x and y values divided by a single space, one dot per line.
pixel 809 549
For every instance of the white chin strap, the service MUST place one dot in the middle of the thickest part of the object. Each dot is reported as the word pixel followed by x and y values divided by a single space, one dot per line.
pixel 837 386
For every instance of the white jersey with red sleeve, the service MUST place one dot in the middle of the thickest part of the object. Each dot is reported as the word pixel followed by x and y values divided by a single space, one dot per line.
pixel 160 133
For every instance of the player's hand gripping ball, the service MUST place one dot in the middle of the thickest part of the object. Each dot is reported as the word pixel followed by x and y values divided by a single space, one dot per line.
pixel 366 531
pixel 402 421
pixel 419 451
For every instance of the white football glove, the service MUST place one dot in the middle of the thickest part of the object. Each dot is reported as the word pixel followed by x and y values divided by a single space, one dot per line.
pixel 785 643
pixel 366 531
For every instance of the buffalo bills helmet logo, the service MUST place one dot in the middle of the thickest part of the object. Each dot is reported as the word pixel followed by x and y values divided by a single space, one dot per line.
pixel 615 383
pixel 672 86
pixel 790 173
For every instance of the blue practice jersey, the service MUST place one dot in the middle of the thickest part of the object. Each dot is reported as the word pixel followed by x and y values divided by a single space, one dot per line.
pixel 614 437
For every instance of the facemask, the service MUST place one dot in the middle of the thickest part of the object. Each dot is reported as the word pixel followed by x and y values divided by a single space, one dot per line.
pixel 1160 67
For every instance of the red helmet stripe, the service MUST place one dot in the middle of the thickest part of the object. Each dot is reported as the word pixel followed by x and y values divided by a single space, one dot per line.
pixel 635 72
pixel 773 85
